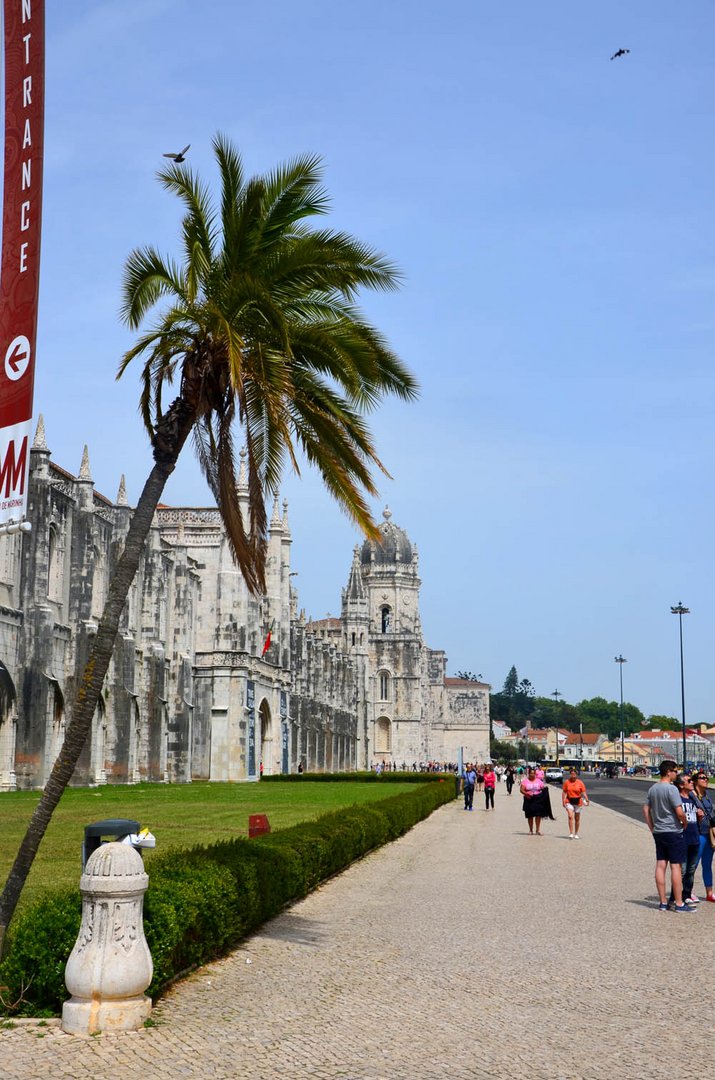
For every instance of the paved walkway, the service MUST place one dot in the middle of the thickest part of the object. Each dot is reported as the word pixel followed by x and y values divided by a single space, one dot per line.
pixel 466 949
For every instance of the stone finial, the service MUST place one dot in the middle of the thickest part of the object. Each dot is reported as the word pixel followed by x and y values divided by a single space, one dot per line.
pixel 84 472
pixel 275 516
pixel 40 442
pixel 285 513
pixel 387 513
pixel 122 493
pixel 242 473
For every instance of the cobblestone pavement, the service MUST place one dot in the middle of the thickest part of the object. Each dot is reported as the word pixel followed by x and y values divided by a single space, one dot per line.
pixel 467 948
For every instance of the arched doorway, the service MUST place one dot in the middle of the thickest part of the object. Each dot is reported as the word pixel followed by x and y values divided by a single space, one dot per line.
pixel 383 738
pixel 266 754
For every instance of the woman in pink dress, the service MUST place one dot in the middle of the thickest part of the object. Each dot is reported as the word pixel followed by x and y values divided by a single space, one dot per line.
pixel 537 804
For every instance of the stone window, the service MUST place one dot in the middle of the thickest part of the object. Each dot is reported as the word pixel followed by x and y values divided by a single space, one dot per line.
pixel 383 736
pixel 54 566
pixel 386 618
pixel 383 679
pixel 8 550
pixel 99 584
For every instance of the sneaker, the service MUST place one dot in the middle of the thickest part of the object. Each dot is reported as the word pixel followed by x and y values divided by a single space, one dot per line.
pixel 710 899
pixel 570 836
pixel 662 907
pixel 691 901
pixel 683 908
pixel 576 836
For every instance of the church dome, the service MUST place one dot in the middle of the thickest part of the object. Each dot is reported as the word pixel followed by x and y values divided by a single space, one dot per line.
pixel 395 545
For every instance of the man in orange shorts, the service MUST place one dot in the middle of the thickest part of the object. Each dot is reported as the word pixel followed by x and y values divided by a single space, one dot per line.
pixel 574 797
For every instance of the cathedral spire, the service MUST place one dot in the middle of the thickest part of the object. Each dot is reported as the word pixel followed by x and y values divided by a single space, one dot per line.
pixel 276 516
pixel 40 442
pixel 356 586
pixel 122 493
pixel 84 471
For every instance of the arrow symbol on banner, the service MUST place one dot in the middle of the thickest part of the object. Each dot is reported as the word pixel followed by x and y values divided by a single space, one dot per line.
pixel 17 358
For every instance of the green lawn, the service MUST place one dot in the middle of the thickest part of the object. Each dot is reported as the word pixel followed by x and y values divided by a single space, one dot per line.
pixel 178 815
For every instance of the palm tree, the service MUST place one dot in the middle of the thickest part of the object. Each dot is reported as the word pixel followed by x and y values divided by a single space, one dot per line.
pixel 260 331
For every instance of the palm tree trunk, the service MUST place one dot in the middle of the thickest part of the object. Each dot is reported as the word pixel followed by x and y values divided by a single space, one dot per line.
pixel 175 429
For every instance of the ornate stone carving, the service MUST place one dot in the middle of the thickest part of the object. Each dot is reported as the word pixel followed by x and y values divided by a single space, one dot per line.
pixel 110 965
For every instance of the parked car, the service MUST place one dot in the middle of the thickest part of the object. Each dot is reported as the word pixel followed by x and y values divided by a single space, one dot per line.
pixel 554 775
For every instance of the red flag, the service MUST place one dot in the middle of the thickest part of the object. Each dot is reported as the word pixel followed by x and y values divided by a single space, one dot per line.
pixel 267 642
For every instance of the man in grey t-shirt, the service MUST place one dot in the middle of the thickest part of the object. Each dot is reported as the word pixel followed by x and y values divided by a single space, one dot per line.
pixel 666 820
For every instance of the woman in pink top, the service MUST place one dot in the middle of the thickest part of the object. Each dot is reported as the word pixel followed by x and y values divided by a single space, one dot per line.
pixel 531 788
pixel 490 783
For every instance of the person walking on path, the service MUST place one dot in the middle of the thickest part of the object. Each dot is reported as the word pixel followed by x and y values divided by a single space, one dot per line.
pixel 666 820
pixel 537 804
pixel 704 807
pixel 574 797
pixel 684 784
pixel 480 777
pixel 490 783
pixel 470 779
pixel 509 777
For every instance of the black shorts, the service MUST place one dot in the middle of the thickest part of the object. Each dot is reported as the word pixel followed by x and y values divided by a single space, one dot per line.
pixel 670 847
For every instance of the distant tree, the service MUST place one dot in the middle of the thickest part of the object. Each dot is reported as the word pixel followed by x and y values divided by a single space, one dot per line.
pixel 529 751
pixel 502 751
pixel 598 715
pixel 556 714
pixel 511 683
pixel 663 723
pixel 469 676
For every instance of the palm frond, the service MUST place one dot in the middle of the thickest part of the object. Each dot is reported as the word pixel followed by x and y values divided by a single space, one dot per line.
pixel 147 278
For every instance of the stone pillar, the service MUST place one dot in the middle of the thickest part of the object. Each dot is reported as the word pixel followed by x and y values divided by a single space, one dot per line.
pixel 110 965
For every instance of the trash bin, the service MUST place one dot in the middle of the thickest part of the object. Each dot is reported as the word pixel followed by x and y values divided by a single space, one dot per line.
pixel 111 829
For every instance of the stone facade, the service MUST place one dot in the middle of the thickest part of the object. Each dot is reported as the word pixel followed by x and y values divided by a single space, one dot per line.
pixel 192 692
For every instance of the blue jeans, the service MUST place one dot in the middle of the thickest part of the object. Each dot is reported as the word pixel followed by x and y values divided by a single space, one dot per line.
pixel 689 868
pixel 706 861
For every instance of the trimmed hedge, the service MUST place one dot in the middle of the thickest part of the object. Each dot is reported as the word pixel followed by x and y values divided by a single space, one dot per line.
pixel 202 901
pixel 357 777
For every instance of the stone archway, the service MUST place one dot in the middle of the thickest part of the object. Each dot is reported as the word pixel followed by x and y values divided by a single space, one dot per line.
pixel 266 723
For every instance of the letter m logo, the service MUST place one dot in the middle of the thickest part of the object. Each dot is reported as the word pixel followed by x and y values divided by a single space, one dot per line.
pixel 12 470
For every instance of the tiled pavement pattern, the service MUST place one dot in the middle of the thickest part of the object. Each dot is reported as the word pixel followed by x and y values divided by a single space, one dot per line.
pixel 466 949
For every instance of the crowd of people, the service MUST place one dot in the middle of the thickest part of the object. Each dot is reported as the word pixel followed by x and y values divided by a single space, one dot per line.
pixel 416 766
pixel 534 791
pixel 679 813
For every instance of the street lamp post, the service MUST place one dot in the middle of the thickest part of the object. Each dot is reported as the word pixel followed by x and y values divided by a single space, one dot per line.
pixel 679 610
pixel 621 660
pixel 556 694
pixel 580 731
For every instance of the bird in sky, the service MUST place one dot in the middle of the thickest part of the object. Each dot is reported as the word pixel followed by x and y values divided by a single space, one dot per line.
pixel 621 52
pixel 178 158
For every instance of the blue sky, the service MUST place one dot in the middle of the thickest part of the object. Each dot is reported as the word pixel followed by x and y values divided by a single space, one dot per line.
pixel 551 212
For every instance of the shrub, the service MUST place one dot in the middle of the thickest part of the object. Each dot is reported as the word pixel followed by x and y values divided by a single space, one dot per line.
pixel 202 901
pixel 43 936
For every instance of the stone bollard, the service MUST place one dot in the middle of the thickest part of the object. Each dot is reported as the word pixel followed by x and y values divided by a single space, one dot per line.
pixel 110 965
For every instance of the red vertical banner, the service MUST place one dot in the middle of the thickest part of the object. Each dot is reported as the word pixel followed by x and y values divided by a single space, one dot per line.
pixel 24 52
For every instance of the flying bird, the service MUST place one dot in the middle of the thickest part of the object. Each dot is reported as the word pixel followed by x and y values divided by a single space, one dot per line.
pixel 621 52
pixel 178 158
